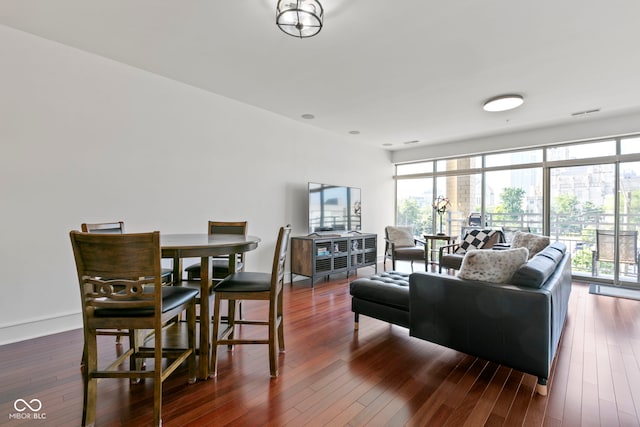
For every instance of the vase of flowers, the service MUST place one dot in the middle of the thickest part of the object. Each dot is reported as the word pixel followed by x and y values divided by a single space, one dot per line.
pixel 440 205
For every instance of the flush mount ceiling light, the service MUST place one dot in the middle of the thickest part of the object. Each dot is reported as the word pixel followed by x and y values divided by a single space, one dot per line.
pixel 299 18
pixel 503 103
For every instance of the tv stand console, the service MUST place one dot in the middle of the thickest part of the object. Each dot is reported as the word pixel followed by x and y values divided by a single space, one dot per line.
pixel 320 255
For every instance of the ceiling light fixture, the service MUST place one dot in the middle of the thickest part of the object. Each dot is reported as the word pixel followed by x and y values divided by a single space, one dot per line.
pixel 503 103
pixel 299 18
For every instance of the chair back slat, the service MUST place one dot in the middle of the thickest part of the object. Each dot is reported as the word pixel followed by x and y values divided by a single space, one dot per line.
pixel 228 227
pixel 279 257
pixel 116 227
pixel 119 293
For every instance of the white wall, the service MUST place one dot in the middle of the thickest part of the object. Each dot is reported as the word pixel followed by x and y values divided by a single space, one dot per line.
pixel 87 139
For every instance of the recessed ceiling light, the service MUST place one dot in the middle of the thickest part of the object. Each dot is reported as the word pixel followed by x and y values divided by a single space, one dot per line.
pixel 415 141
pixel 354 132
pixel 308 116
pixel 387 144
pixel 503 103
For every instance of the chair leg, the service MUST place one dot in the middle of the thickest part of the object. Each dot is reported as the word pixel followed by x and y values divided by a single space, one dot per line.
pixel 279 319
pixel 135 338
pixel 157 379
pixel 214 336
pixel 232 320
pixel 90 383
pixel 191 334
pixel 273 337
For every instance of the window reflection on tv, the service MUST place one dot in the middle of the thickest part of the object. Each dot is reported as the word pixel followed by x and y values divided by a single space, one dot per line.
pixel 334 208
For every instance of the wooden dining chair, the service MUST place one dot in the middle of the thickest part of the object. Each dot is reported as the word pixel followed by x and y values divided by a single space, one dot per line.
pixel 220 265
pixel 135 301
pixel 117 227
pixel 253 286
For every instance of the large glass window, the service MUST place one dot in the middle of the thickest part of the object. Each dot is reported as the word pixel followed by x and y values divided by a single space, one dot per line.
pixel 630 145
pixel 515 158
pixel 414 204
pixel 414 168
pixel 513 199
pixel 582 151
pixel 465 195
pixel 593 195
pixel 457 164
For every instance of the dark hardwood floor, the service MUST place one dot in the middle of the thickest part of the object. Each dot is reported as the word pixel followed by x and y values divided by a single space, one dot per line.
pixel 333 376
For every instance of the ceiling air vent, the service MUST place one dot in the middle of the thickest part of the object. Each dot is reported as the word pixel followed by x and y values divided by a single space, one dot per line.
pixel 585 112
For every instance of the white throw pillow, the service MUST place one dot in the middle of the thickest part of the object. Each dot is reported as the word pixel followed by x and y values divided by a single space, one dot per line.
pixel 534 242
pixel 491 266
pixel 402 237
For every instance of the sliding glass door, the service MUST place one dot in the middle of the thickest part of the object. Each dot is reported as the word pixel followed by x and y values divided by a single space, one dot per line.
pixel 603 242
pixel 629 224
pixel 582 200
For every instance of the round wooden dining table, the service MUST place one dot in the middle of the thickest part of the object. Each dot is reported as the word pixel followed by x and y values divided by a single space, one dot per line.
pixel 203 246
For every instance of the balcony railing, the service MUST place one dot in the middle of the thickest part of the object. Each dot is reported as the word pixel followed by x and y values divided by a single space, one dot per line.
pixel 577 232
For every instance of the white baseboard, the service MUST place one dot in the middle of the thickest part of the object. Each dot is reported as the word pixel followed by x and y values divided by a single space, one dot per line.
pixel 39 328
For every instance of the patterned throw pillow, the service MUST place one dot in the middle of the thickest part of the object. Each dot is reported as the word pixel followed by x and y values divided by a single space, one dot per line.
pixel 534 242
pixel 401 236
pixel 492 266
pixel 475 239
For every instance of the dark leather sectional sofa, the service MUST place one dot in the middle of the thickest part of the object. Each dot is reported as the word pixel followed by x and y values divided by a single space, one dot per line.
pixel 518 324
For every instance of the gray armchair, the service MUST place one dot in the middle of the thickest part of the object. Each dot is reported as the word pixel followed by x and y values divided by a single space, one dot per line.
pixel 401 245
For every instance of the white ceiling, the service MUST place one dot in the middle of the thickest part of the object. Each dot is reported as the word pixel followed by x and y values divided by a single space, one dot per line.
pixel 395 71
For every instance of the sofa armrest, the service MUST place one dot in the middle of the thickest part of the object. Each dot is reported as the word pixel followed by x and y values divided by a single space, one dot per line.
pixel 450 248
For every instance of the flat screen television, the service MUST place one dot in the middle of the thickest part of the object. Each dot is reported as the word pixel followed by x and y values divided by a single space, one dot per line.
pixel 334 208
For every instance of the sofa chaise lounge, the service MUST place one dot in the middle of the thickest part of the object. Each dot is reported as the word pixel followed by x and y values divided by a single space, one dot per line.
pixel 517 324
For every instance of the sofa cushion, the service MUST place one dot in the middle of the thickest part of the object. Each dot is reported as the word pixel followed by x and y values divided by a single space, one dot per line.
pixel 535 272
pixel 389 288
pixel 550 253
pixel 492 266
pixel 476 239
pixel 400 236
pixel 533 242
pixel 558 246
pixel 415 253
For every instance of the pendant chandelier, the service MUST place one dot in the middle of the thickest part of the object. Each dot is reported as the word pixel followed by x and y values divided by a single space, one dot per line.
pixel 299 18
